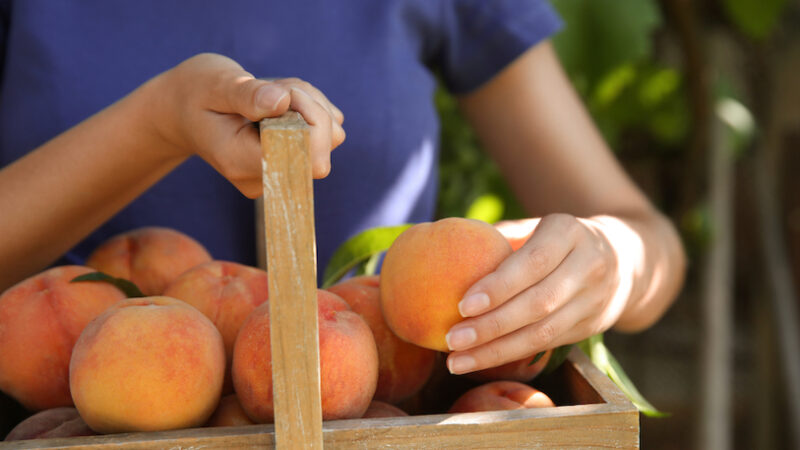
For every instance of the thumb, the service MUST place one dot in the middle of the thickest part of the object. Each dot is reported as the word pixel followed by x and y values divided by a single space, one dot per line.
pixel 254 99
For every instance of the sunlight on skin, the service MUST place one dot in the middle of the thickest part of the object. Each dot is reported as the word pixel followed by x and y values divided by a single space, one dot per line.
pixel 630 254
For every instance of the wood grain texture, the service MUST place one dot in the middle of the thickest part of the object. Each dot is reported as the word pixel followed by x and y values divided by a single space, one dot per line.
pixel 609 420
pixel 291 258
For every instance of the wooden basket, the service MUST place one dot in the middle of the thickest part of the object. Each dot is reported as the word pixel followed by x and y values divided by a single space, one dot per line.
pixel 596 412
pixel 600 416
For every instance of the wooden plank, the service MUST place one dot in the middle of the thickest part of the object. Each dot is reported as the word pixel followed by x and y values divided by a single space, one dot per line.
pixel 608 421
pixel 291 258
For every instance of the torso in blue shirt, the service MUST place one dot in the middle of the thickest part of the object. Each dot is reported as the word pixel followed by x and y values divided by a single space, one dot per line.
pixel 65 60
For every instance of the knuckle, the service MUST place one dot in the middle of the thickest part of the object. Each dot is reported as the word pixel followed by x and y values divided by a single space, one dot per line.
pixel 535 257
pixel 598 267
pixel 495 326
pixel 547 301
pixel 496 354
pixel 543 334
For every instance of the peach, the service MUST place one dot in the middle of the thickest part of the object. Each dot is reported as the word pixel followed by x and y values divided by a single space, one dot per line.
pixel 51 423
pixel 382 409
pixel 40 320
pixel 146 364
pixel 226 293
pixel 501 395
pixel 427 271
pixel 403 368
pixel 521 370
pixel 229 413
pixel 150 257
pixel 348 362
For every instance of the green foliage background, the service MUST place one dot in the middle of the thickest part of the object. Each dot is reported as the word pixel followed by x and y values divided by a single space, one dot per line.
pixel 607 49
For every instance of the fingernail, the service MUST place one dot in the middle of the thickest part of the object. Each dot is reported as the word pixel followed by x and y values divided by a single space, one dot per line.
pixel 473 304
pixel 460 338
pixel 269 96
pixel 461 364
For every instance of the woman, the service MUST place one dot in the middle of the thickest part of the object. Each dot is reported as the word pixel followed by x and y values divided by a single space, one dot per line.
pixel 600 255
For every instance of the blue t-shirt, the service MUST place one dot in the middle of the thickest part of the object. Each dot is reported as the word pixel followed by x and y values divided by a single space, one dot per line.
pixel 62 61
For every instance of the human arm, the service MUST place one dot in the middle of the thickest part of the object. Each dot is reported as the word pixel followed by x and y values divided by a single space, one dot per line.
pixel 600 256
pixel 61 191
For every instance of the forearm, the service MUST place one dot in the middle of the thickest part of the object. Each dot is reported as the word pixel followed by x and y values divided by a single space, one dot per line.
pixel 650 262
pixel 57 194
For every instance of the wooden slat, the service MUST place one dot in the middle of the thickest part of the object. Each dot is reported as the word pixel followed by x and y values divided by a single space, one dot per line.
pixel 609 421
pixel 291 258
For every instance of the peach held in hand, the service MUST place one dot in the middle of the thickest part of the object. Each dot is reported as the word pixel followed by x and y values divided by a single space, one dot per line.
pixel 150 257
pixel 428 269
pixel 147 364
pixel 348 362
pixel 40 320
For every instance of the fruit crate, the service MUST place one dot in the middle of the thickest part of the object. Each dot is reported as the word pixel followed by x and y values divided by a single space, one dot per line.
pixel 591 411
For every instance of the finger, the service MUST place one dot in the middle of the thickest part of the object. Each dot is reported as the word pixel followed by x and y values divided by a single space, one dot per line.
pixel 552 241
pixel 237 92
pixel 316 94
pixel 238 154
pixel 556 330
pixel 529 306
pixel 337 132
pixel 320 136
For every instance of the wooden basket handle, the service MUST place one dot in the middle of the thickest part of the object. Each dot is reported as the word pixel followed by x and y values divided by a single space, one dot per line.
pixel 288 219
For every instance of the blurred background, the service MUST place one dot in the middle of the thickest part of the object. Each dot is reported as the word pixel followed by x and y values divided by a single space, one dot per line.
pixel 701 102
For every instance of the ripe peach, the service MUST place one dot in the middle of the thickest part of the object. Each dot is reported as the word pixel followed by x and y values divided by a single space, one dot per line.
pixel 151 257
pixel 382 409
pixel 226 293
pixel 501 395
pixel 428 269
pixel 229 413
pixel 521 370
pixel 348 362
pixel 51 423
pixel 403 367
pixel 40 320
pixel 146 364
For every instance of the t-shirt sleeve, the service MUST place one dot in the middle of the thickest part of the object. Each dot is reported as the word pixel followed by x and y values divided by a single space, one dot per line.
pixel 481 37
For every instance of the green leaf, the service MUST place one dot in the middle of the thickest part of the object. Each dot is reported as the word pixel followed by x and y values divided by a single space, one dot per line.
pixel 600 35
pixel 608 364
pixel 359 249
pixel 126 286
pixel 557 358
pixel 487 208
pixel 537 358
pixel 755 18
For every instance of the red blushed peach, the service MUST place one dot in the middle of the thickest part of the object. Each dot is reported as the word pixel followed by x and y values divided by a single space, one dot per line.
pixel 382 409
pixel 40 320
pixel 147 364
pixel 521 370
pixel 427 271
pixel 226 293
pixel 229 413
pixel 348 362
pixel 403 367
pixel 151 257
pixel 501 395
pixel 51 423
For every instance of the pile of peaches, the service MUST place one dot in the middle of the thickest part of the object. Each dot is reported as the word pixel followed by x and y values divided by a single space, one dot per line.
pixel 195 351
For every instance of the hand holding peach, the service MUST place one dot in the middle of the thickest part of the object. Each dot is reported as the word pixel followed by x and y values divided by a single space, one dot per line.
pixel 563 285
